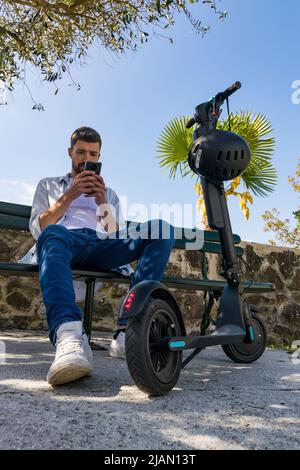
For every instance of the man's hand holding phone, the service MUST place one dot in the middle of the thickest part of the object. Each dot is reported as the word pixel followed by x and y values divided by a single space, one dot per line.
pixel 89 183
pixel 98 190
pixel 99 186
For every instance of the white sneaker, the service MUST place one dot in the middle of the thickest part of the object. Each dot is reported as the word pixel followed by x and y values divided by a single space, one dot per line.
pixel 117 345
pixel 73 358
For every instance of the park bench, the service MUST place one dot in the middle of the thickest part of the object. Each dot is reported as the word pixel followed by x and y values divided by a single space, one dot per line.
pixel 16 217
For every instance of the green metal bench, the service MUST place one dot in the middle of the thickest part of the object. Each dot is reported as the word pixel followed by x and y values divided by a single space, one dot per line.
pixel 16 217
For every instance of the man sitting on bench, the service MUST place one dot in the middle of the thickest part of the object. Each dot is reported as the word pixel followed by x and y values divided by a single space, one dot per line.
pixel 77 222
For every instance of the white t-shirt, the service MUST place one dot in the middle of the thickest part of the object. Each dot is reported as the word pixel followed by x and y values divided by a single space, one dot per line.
pixel 82 213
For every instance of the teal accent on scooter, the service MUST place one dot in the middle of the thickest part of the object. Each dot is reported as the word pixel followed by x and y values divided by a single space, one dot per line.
pixel 177 344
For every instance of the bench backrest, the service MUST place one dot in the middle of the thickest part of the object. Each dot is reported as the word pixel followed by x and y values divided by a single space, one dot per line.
pixel 16 216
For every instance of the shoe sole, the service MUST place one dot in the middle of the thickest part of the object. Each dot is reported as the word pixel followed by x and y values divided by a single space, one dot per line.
pixel 116 355
pixel 69 373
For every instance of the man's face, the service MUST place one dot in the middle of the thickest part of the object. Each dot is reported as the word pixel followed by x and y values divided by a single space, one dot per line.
pixel 81 152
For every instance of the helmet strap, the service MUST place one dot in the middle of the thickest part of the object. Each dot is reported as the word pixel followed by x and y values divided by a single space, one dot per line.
pixel 229 120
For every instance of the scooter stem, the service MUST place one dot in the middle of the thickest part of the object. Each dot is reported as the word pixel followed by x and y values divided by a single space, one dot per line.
pixel 218 219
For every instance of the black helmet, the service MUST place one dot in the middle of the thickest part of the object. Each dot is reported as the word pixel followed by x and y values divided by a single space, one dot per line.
pixel 219 155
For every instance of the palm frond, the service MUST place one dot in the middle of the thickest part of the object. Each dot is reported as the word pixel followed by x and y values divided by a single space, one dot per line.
pixel 173 146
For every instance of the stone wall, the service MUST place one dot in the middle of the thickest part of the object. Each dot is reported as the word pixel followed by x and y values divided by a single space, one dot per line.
pixel 21 304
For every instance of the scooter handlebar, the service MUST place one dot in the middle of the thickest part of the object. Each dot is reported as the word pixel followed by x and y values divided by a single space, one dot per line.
pixel 190 123
pixel 215 102
pixel 223 95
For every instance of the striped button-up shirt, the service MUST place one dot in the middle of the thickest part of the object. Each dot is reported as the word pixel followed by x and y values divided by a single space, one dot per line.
pixel 48 191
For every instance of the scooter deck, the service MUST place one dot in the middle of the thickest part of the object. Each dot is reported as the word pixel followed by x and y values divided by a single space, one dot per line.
pixel 226 334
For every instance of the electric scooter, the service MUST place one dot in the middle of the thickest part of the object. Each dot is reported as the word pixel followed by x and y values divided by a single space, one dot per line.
pixel 156 335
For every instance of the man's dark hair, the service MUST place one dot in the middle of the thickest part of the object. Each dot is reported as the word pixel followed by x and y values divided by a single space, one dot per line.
pixel 87 134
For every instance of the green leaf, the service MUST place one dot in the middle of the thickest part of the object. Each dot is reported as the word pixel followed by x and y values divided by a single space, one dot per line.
pixel 174 144
pixel 158 6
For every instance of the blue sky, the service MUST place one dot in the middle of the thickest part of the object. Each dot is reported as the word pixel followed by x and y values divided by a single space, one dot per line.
pixel 130 99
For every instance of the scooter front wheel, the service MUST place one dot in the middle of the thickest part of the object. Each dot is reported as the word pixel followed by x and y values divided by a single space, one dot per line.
pixel 154 368
pixel 249 352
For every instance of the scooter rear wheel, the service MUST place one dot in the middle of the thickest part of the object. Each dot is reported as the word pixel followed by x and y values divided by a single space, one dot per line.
pixel 154 368
pixel 249 352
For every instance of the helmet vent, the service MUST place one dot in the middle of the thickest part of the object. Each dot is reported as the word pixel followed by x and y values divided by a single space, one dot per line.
pixel 232 173
pixel 242 154
pixel 219 155
pixel 236 153
pixel 228 155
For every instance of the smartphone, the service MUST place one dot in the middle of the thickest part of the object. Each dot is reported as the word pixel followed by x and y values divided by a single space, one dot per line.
pixel 93 166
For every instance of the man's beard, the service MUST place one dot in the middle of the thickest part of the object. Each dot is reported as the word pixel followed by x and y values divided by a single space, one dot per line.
pixel 78 168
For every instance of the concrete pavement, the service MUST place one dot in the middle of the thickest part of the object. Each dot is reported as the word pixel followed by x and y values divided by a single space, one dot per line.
pixel 216 404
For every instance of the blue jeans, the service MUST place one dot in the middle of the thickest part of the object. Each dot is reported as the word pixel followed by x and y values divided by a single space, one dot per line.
pixel 60 249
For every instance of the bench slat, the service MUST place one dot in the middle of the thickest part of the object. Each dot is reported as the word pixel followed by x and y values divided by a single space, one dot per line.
pixel 208 247
pixel 195 284
pixel 16 269
pixel 20 210
pixel 14 222
pixel 189 234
